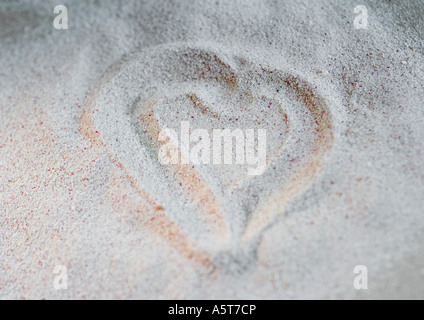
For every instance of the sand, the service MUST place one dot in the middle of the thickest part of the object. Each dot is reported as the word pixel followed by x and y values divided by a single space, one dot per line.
pixel 82 185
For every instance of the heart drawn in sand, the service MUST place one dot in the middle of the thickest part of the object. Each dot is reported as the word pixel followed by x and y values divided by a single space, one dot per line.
pixel 207 209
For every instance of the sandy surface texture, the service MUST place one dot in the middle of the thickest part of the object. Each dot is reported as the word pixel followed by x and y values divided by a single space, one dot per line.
pixel 83 186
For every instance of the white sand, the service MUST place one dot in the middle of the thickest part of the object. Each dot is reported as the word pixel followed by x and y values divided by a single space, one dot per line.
pixel 81 185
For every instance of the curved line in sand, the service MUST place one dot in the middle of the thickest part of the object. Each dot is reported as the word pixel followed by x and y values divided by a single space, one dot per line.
pixel 309 170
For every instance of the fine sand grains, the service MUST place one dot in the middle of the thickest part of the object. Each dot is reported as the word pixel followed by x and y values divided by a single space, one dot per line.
pixel 82 186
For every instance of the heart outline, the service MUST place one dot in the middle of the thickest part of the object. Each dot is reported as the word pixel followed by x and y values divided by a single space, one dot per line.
pixel 263 213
